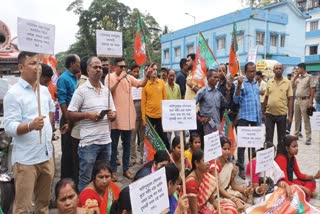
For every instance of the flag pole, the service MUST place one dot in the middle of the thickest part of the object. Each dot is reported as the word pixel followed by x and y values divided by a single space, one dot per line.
pixel 182 174
pixel 38 93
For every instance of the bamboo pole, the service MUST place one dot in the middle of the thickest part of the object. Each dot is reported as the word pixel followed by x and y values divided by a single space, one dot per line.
pixel 38 93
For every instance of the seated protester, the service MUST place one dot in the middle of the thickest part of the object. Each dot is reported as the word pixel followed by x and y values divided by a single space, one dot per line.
pixel 67 197
pixel 194 145
pixel 123 204
pixel 161 158
pixel 288 164
pixel 175 206
pixel 101 191
pixel 274 178
pixel 201 188
pixel 176 155
pixel 227 171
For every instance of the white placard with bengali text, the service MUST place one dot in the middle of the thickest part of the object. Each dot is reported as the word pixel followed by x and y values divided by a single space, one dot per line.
pixel 264 160
pixel 150 194
pixel 250 136
pixel 109 43
pixel 179 115
pixel 212 146
pixel 315 121
pixel 136 93
pixel 35 36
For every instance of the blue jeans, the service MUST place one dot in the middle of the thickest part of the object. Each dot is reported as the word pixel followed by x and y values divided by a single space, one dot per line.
pixel 88 155
pixel 126 142
pixel 317 106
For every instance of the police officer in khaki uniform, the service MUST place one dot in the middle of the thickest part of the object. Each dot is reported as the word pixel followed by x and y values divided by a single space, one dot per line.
pixel 304 86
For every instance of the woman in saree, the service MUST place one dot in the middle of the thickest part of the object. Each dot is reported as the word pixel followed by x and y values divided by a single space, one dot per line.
pixel 227 172
pixel 201 188
pixel 274 178
pixel 67 197
pixel 287 161
pixel 101 191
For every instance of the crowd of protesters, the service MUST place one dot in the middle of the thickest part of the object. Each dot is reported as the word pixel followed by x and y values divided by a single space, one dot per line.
pixel 100 105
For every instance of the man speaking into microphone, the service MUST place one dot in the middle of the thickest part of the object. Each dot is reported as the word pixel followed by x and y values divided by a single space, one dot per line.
pixel 120 87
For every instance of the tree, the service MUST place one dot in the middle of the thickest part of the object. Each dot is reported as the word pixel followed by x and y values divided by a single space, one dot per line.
pixel 113 15
pixel 260 3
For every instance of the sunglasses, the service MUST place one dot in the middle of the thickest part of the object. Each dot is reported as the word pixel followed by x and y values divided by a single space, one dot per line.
pixel 122 66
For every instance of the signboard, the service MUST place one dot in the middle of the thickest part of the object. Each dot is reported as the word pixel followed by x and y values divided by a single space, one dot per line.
pixel 109 43
pixel 212 146
pixel 179 115
pixel 250 136
pixel 315 121
pixel 252 55
pixel 136 93
pixel 35 36
pixel 150 194
pixel 264 160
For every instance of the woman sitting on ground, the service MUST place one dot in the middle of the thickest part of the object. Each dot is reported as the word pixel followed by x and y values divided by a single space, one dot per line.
pixel 161 158
pixel 172 175
pixel 227 171
pixel 123 204
pixel 194 145
pixel 288 163
pixel 274 176
pixel 67 197
pixel 201 188
pixel 176 155
pixel 101 191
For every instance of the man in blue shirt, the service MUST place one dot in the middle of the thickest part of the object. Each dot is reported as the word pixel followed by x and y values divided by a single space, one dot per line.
pixel 66 85
pixel 248 97
pixel 211 101
pixel 32 158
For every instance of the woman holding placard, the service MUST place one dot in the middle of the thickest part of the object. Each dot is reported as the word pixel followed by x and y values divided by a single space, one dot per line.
pixel 288 163
pixel 201 189
pixel 273 177
pixel 227 172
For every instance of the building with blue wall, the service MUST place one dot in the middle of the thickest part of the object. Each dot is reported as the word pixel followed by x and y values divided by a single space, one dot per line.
pixel 277 31
pixel 312 48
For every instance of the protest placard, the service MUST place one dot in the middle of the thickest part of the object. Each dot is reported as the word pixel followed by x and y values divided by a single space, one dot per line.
pixel 150 194
pixel 250 136
pixel 178 115
pixel 315 121
pixel 212 146
pixel 264 160
pixel 35 36
pixel 109 43
pixel 136 93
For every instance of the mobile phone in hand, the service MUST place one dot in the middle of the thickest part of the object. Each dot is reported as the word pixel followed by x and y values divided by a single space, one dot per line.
pixel 103 113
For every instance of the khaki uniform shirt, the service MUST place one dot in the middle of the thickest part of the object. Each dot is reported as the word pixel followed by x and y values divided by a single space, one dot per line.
pixel 303 85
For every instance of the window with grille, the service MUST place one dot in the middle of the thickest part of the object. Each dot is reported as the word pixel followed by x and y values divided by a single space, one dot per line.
pixel 177 52
pixel 273 40
pixel 313 50
pixel 314 25
pixel 221 43
pixel 260 38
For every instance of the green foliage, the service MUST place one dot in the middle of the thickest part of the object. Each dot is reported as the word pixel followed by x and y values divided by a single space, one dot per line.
pixel 115 16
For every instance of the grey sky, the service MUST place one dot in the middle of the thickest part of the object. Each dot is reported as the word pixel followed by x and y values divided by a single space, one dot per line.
pixel 166 12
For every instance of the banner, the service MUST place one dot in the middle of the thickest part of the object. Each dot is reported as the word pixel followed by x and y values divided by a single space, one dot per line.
pixel 278 203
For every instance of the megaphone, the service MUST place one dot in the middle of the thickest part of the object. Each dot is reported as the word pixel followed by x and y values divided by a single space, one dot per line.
pixel 5 36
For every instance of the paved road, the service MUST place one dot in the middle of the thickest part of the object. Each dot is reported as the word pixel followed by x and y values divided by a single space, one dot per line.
pixel 308 159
